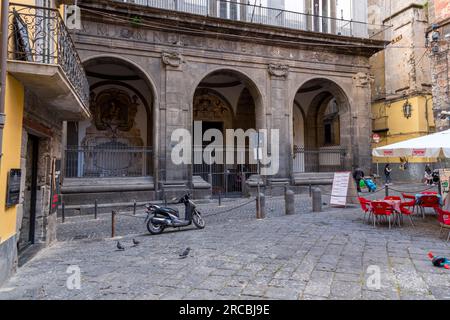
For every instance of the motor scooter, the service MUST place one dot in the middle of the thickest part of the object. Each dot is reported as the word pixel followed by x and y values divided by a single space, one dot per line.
pixel 159 218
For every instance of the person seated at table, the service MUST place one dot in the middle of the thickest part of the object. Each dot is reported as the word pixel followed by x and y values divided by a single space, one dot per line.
pixel 428 175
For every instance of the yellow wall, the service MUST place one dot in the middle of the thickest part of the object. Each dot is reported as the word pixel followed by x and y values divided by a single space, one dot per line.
pixel 401 128
pixel 12 140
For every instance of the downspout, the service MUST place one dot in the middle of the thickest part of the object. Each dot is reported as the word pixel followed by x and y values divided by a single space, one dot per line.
pixel 3 65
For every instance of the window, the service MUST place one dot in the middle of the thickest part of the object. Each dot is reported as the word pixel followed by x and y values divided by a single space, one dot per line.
pixel 229 9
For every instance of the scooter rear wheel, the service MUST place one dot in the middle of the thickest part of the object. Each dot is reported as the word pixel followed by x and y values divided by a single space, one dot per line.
pixel 154 229
pixel 198 221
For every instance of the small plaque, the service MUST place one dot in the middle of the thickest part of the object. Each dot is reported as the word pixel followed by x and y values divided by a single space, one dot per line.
pixel 13 191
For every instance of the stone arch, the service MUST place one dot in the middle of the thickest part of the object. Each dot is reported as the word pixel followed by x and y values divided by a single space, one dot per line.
pixel 126 85
pixel 315 95
pixel 250 84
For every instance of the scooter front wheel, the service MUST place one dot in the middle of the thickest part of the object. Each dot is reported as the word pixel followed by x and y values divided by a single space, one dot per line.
pixel 154 228
pixel 198 220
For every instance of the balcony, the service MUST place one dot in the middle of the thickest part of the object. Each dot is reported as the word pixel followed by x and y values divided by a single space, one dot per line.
pixel 246 12
pixel 42 55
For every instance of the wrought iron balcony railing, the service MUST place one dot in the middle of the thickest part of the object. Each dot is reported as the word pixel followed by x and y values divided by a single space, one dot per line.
pixel 245 11
pixel 39 35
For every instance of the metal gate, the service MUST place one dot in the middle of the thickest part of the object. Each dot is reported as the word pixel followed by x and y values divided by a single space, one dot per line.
pixel 226 180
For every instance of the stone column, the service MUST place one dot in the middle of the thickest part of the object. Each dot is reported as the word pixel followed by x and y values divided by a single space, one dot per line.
pixel 361 121
pixel 174 115
pixel 280 116
pixel 308 12
pixel 333 16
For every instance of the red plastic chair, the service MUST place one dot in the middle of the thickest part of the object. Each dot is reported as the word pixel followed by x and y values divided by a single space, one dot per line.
pixel 428 201
pixel 405 210
pixel 444 221
pixel 410 198
pixel 365 206
pixel 381 209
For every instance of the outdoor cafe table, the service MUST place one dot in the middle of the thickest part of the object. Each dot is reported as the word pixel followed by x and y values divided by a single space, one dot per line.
pixel 396 206
pixel 435 194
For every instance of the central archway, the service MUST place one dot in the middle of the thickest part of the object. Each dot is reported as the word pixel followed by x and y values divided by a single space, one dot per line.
pixel 227 99
pixel 321 127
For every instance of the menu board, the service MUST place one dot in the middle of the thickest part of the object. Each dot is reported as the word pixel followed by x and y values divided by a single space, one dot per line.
pixel 344 190
pixel 13 191
pixel 444 176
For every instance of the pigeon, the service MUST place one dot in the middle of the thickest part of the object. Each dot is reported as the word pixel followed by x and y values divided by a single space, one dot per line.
pixel 185 254
pixel 120 246
pixel 136 243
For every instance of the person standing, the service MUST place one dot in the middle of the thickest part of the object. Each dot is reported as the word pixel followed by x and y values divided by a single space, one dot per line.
pixel 358 175
pixel 387 174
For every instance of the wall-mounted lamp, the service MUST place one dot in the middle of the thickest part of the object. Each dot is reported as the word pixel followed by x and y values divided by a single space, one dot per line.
pixel 407 110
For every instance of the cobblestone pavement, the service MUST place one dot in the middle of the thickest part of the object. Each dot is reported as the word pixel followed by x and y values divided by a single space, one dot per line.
pixel 231 210
pixel 304 256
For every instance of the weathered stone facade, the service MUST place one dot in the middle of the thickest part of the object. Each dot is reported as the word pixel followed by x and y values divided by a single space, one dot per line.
pixel 272 63
pixel 439 13
pixel 42 126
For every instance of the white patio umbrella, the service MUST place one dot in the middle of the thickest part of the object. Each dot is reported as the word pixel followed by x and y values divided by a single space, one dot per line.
pixel 429 146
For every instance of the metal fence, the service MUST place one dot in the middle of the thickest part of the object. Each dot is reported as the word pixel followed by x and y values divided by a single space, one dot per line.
pixel 39 35
pixel 227 178
pixel 319 160
pixel 97 162
pixel 242 10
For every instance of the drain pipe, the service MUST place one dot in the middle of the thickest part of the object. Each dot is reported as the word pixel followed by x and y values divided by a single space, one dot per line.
pixel 3 61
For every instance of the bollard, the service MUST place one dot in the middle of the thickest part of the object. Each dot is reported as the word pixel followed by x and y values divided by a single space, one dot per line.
pixel 261 206
pixel 317 200
pixel 95 209
pixel 387 190
pixel 220 198
pixel 310 191
pixel 134 207
pixel 113 224
pixel 63 213
pixel 289 198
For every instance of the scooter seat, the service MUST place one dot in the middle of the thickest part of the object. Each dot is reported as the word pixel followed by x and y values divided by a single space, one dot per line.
pixel 169 211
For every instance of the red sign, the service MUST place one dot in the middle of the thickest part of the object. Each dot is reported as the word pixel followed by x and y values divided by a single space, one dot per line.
pixel 388 153
pixel 376 138
pixel 419 152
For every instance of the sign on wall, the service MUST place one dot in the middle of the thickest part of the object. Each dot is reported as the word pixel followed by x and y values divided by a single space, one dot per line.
pixel 55 186
pixel 13 190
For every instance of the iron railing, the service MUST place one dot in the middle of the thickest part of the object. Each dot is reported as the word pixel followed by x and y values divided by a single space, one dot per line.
pixel 98 162
pixel 243 10
pixel 328 159
pixel 39 35
pixel 225 178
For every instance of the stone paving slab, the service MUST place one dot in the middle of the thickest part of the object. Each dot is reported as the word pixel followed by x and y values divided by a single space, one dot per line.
pixel 304 256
